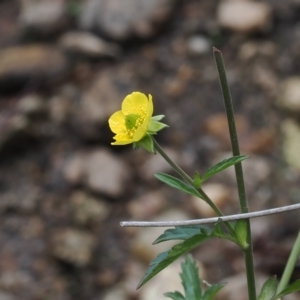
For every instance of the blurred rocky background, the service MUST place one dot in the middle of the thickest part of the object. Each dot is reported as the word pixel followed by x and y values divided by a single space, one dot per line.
pixel 65 67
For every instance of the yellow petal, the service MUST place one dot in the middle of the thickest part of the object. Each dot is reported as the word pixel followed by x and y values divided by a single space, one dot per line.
pixel 117 122
pixel 142 130
pixel 135 103
pixel 150 106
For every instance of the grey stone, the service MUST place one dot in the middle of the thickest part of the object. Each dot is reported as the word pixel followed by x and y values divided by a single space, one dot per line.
pixel 288 97
pixel 244 16
pixel 73 246
pixel 87 209
pixel 88 44
pixel 121 19
pixel 44 16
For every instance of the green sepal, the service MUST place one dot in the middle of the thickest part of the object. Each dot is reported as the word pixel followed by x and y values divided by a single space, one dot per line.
pixel 157 118
pixel 146 142
pixel 156 126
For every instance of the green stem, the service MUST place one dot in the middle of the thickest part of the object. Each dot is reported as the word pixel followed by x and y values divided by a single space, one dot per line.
pixel 290 265
pixel 187 178
pixel 248 252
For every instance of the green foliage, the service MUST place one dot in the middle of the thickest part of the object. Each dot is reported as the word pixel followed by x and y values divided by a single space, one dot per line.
pixel 178 184
pixel 192 237
pixel 197 180
pixel 269 289
pixel 192 285
pixel 224 164
pixel 292 288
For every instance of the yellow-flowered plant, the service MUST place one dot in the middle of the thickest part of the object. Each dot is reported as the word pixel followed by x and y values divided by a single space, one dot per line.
pixel 134 123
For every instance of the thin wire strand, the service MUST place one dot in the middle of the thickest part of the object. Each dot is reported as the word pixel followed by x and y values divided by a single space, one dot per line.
pixel 256 214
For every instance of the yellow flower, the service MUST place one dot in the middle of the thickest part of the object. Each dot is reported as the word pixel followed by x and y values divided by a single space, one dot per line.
pixel 131 123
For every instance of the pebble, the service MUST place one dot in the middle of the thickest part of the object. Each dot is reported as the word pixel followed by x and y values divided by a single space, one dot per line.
pixel 244 16
pixel 218 193
pixel 45 16
pixel 291 142
pixel 198 45
pixel 288 96
pixel 98 170
pixel 147 206
pixel 73 246
pixel 88 44
pixel 87 209
pixel 20 64
pixel 31 105
pixel 123 19
pixel 142 246
pixel 115 293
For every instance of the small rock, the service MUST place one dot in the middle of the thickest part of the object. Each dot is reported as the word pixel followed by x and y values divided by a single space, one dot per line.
pixel 142 246
pixel 289 95
pixel 106 173
pixel 20 64
pixel 117 292
pixel 87 209
pixel 73 246
pixel 31 105
pixel 198 45
pixel 122 19
pixel 218 193
pixel 88 44
pixel 45 16
pixel 291 142
pixel 168 280
pixel 99 170
pixel 14 280
pixel 244 16
pixel 147 205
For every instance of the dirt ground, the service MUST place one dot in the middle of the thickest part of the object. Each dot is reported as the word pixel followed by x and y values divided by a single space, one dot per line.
pixel 64 188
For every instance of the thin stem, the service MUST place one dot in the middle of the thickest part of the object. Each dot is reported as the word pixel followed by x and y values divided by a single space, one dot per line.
pixel 255 214
pixel 289 268
pixel 191 182
pixel 248 253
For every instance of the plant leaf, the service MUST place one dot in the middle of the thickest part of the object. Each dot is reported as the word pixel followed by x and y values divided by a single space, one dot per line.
pixel 241 233
pixel 175 296
pixel 184 233
pixel 177 184
pixel 197 180
pixel 211 292
pixel 269 289
pixel 294 287
pixel 190 279
pixel 164 259
pixel 224 164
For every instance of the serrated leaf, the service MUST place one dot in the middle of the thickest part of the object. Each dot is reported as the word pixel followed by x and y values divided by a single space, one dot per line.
pixel 269 289
pixel 184 233
pixel 190 279
pixel 164 259
pixel 175 296
pixel 224 164
pixel 177 184
pixel 294 287
pixel 197 180
pixel 211 292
